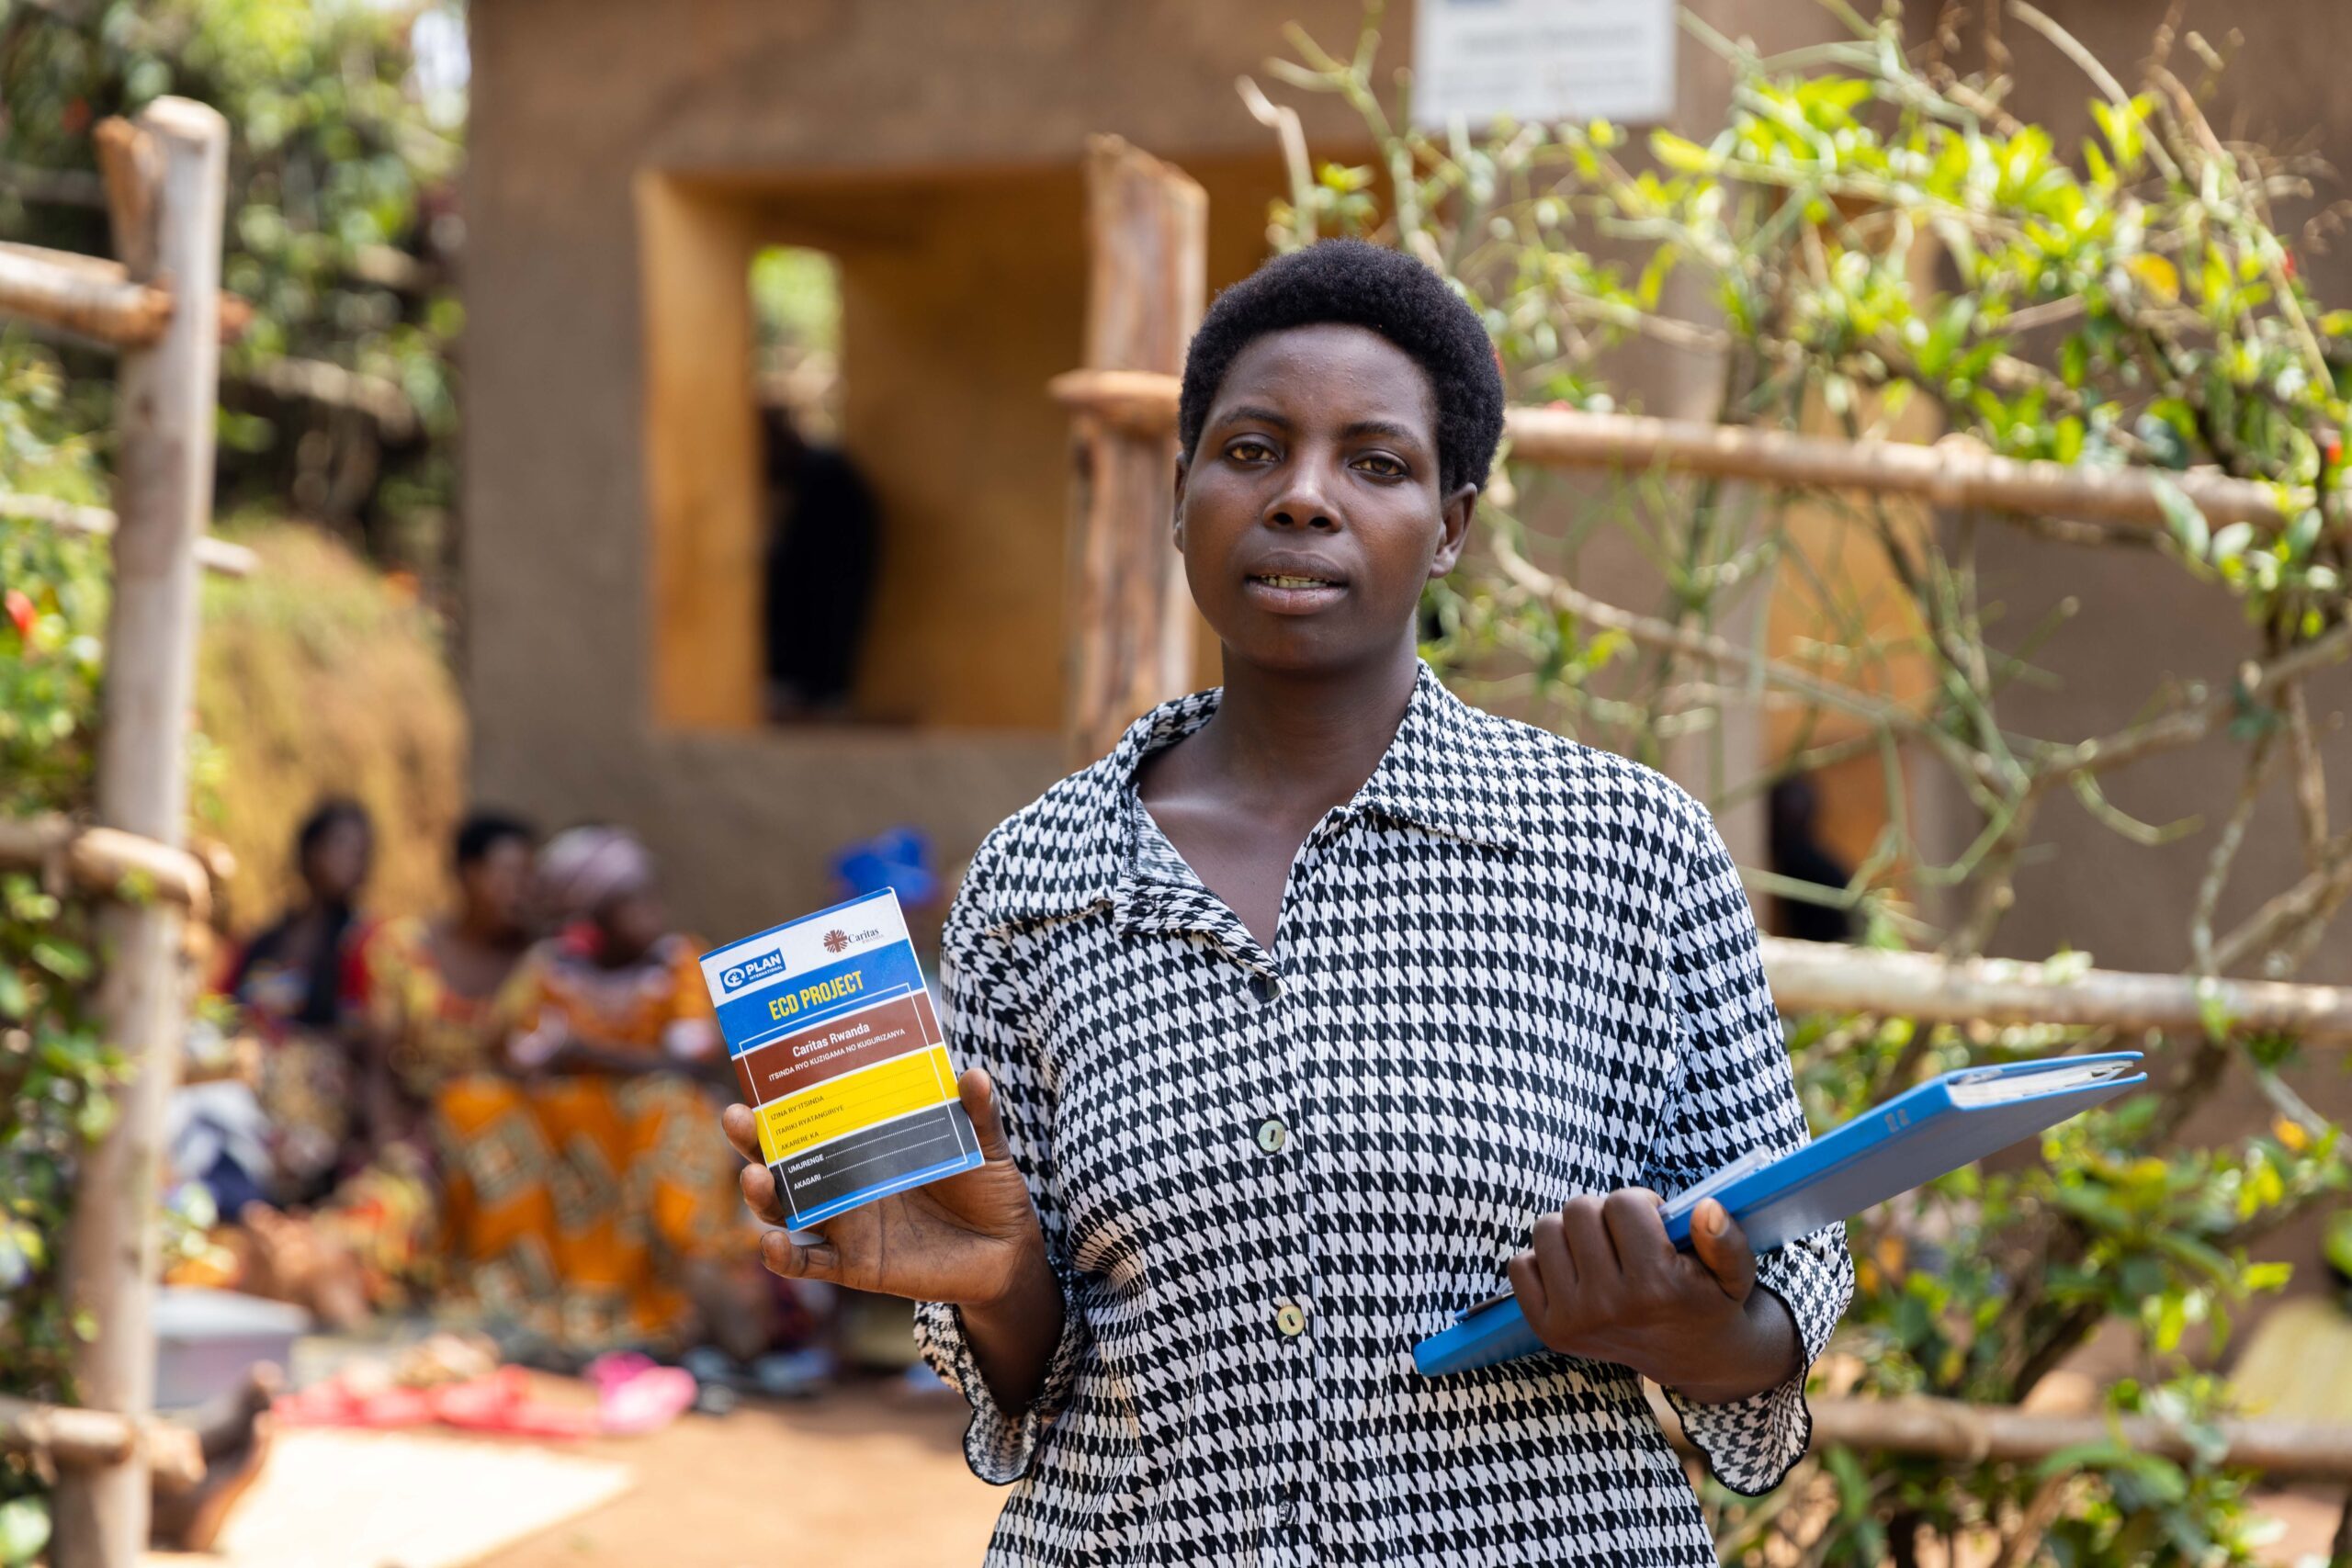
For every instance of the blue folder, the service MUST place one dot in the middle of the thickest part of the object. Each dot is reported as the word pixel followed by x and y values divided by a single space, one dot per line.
pixel 1919 1136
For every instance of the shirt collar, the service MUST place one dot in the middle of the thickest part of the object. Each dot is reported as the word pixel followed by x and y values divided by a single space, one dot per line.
pixel 1442 774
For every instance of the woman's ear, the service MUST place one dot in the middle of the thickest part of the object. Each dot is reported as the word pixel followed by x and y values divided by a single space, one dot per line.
pixel 1176 512
pixel 1454 523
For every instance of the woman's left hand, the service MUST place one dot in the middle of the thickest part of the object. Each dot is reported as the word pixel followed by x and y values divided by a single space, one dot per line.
pixel 1602 1282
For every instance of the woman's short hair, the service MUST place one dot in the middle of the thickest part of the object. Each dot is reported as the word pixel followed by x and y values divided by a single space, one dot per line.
pixel 484 831
pixel 1355 284
pixel 335 811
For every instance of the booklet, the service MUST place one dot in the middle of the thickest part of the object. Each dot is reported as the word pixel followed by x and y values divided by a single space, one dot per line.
pixel 838 1052
pixel 1919 1136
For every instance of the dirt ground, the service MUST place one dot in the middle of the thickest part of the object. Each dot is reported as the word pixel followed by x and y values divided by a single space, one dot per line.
pixel 860 1476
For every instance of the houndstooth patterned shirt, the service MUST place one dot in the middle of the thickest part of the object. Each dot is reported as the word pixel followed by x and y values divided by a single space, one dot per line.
pixel 1511 970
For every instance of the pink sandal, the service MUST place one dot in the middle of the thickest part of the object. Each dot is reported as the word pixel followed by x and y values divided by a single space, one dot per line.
pixel 635 1395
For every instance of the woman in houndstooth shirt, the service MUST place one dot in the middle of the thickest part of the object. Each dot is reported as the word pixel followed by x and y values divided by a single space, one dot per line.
pixel 1325 1006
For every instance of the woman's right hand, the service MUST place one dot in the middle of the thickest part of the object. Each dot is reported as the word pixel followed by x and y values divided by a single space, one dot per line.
pixel 971 1240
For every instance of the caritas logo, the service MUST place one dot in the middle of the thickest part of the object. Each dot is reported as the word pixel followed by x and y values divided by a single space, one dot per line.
pixel 836 941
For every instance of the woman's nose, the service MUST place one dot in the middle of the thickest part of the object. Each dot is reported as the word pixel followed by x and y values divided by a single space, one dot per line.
pixel 1304 501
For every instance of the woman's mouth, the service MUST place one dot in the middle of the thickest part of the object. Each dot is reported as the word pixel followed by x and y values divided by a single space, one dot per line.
pixel 1291 593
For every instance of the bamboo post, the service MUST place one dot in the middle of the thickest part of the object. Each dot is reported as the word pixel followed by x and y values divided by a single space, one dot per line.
pixel 163 493
pixel 1131 636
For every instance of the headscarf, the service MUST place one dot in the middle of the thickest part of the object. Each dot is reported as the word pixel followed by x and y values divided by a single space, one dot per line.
pixel 583 869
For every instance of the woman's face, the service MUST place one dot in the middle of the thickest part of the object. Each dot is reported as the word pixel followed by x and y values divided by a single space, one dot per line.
pixel 497 887
pixel 1309 516
pixel 336 867
pixel 632 922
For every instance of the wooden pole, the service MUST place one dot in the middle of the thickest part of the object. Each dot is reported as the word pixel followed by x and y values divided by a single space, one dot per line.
pixel 163 494
pixel 1131 636
pixel 1951 473
pixel 1820 976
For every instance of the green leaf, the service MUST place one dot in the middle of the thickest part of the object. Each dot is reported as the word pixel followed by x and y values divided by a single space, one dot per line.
pixel 2261 1277
pixel 24 1531
pixel 15 1000
pixel 2232 541
pixel 1679 153
pixel 2183 518
pixel 68 964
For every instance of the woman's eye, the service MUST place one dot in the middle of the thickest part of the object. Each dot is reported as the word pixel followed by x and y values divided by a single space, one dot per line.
pixel 1250 452
pixel 1381 465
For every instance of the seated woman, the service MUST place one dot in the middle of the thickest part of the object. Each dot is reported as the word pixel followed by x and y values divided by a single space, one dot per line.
pixel 441 1001
pixel 267 1127
pixel 300 984
pixel 604 1215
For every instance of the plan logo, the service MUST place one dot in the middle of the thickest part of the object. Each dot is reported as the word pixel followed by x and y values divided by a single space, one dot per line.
pixel 836 941
pixel 759 968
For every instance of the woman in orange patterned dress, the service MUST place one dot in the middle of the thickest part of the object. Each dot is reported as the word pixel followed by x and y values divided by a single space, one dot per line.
pixel 618 1213
pixel 441 1003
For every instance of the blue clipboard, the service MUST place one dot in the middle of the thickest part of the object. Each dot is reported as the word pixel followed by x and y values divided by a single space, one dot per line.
pixel 1920 1135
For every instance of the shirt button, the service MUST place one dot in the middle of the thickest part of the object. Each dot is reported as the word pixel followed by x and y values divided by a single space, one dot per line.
pixel 1284 1511
pixel 1264 986
pixel 1290 1318
pixel 1273 1135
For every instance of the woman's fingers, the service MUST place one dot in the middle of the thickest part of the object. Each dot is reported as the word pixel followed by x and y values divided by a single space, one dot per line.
pixel 783 1256
pixel 758 1193
pixel 1638 1235
pixel 743 1132
pixel 1549 1243
pixel 1587 1234
pixel 1723 1246
pixel 1527 1284
pixel 979 1096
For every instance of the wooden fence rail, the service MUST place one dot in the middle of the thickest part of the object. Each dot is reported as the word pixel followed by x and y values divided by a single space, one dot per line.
pixel 60 1438
pixel 1978 1434
pixel 107 861
pixel 1818 977
pixel 217 556
pixel 1951 473
pixel 82 294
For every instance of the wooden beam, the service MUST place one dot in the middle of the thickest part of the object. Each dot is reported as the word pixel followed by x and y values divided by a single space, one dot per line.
pixel 62 1438
pixel 1819 976
pixel 1131 634
pixel 377 398
pixel 131 163
pixel 1951 473
pixel 107 861
pixel 213 555
pixel 165 408
pixel 55 188
pixel 1140 403
pixel 1974 1434
pixel 81 294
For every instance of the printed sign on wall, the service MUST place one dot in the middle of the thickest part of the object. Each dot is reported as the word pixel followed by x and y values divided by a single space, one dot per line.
pixel 1544 61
